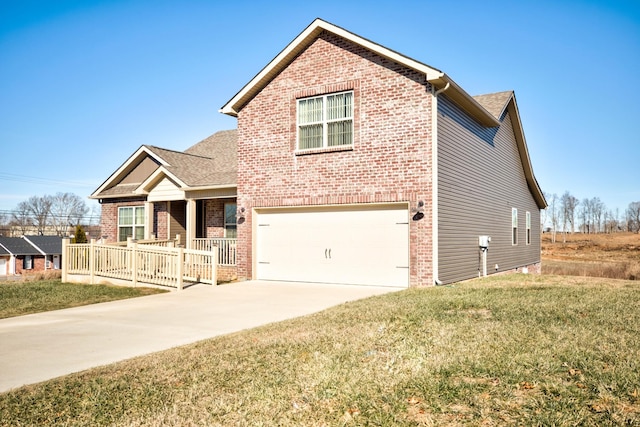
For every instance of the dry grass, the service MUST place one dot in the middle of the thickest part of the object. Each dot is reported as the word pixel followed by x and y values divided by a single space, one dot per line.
pixel 18 298
pixel 506 350
pixel 614 255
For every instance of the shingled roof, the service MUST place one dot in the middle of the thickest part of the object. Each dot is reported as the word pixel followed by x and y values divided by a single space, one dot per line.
pixel 210 162
pixel 48 245
pixel 495 103
pixel 18 246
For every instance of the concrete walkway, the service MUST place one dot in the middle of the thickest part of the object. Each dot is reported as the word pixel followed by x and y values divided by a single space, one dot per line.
pixel 42 346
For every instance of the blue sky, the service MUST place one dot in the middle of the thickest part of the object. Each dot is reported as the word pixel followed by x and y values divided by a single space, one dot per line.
pixel 84 83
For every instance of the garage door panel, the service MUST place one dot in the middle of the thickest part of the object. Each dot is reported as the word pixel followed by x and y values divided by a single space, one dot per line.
pixel 351 246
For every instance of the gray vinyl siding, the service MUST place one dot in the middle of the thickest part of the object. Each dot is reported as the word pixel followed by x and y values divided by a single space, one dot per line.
pixel 480 179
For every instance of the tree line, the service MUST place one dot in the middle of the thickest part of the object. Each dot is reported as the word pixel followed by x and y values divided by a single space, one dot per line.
pixel 568 214
pixel 46 214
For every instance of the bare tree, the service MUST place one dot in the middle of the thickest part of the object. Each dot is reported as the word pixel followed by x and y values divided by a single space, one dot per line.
pixel 599 210
pixel 4 224
pixel 67 210
pixel 568 204
pixel 585 215
pixel 633 217
pixel 554 214
pixel 544 213
pixel 22 217
pixel 40 211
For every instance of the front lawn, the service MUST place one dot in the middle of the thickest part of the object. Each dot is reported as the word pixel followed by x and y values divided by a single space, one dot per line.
pixel 506 350
pixel 20 298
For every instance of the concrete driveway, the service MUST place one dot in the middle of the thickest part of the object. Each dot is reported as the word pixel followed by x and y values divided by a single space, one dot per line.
pixel 42 346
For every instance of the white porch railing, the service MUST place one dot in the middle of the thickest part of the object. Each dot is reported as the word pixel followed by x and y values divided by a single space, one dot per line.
pixel 226 248
pixel 163 266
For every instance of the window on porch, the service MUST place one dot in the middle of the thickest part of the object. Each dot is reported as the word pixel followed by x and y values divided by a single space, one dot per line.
pixel 131 221
pixel 230 221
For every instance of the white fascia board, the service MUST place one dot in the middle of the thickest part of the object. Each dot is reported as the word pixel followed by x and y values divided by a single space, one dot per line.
pixel 146 186
pixel 302 41
pixel 464 100
pixel 210 187
pixel 126 168
pixel 523 150
pixel 34 245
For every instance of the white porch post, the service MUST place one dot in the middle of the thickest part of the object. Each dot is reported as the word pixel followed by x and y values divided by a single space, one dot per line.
pixel 191 223
pixel 148 230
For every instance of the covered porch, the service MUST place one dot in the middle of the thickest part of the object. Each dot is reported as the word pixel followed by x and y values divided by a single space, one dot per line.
pixel 197 224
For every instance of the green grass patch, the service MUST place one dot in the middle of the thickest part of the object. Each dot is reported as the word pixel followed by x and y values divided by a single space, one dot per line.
pixel 20 298
pixel 506 350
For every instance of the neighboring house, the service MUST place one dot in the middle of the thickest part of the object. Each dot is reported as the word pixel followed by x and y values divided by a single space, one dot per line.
pixel 351 164
pixel 50 247
pixel 18 256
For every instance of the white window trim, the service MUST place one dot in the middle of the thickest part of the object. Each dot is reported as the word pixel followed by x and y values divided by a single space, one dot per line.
pixel 133 226
pixel 225 223
pixel 528 228
pixel 514 226
pixel 325 123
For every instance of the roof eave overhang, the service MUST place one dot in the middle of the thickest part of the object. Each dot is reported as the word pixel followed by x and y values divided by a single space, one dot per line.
pixel 288 54
pixel 464 100
pixel 532 182
pixel 211 187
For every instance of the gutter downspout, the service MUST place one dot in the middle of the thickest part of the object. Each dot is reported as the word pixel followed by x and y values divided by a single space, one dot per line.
pixel 434 181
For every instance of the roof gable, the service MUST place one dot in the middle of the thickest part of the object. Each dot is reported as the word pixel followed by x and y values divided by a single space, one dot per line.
pixel 434 76
pixel 210 163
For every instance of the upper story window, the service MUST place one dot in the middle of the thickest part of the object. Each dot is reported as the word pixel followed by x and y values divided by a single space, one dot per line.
pixel 325 121
pixel 131 221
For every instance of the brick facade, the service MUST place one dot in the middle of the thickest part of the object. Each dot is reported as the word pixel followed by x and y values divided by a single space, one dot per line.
pixel 214 221
pixel 38 264
pixel 390 160
pixel 109 216
pixel 161 220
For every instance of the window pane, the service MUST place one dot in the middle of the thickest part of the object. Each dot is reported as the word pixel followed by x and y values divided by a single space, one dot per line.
pixel 514 217
pixel 139 233
pixel 124 232
pixel 140 215
pixel 340 106
pixel 230 214
pixel 340 133
pixel 231 232
pixel 310 110
pixel 310 137
pixel 125 216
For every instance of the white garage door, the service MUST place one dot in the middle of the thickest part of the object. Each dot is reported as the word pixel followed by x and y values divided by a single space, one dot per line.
pixel 3 267
pixel 351 245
